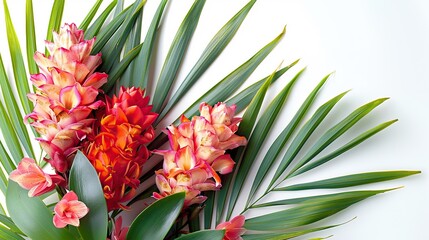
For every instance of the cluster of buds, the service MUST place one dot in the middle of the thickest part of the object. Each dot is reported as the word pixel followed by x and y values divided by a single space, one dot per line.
pixel 67 88
pixel 197 153
pixel 118 151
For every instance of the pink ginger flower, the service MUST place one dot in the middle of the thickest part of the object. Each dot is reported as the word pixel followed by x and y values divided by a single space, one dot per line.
pixel 119 232
pixel 197 153
pixel 67 88
pixel 69 210
pixel 233 229
pixel 31 177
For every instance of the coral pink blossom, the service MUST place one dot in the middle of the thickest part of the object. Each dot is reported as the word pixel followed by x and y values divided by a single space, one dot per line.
pixel 31 177
pixel 66 94
pixel 198 153
pixel 119 232
pixel 233 229
pixel 69 210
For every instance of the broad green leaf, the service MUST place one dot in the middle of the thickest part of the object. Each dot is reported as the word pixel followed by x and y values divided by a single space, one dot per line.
pixel 303 134
pixel 140 74
pixel 88 18
pixel 336 131
pixel 8 132
pixel 203 235
pixel 98 23
pixel 120 68
pixel 210 53
pixel 162 215
pixel 257 138
pixel 14 112
pixel 175 55
pixel 306 213
pixel 243 98
pixel 18 67
pixel 353 143
pixel 228 85
pixel 55 20
pixel 84 181
pixel 32 216
pixel 283 137
pixel 30 37
pixel 349 180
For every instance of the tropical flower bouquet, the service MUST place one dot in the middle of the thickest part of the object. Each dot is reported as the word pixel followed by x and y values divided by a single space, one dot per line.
pixel 105 150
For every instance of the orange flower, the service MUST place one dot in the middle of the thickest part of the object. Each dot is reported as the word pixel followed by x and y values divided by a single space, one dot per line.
pixel 118 150
pixel 31 177
pixel 233 229
pixel 69 210
pixel 67 88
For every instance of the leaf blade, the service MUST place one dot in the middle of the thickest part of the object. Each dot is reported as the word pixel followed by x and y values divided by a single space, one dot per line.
pixel 85 183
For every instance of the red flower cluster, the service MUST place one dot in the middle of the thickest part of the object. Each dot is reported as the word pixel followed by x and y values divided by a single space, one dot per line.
pixel 118 150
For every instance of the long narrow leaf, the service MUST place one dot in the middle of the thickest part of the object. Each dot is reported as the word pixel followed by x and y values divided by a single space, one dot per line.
pixel 30 37
pixel 257 138
pixel 223 89
pixel 204 235
pixel 112 50
pixel 336 131
pixel 133 41
pixel 353 143
pixel 283 236
pixel 245 129
pixel 98 23
pixel 211 52
pixel 18 67
pixel 105 34
pixel 303 135
pixel 88 18
pixel 349 180
pixel 14 112
pixel 12 142
pixel 55 20
pixel 8 234
pixel 120 68
pixel 281 140
pixel 140 74
pixel 308 212
pixel 7 221
pixel 5 159
pixel 175 54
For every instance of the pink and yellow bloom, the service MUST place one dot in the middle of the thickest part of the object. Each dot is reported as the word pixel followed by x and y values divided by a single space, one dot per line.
pixel 69 210
pixel 233 228
pixel 31 177
pixel 67 88
pixel 197 153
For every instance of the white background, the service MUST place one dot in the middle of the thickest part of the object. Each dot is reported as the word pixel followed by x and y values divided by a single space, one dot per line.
pixel 377 49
